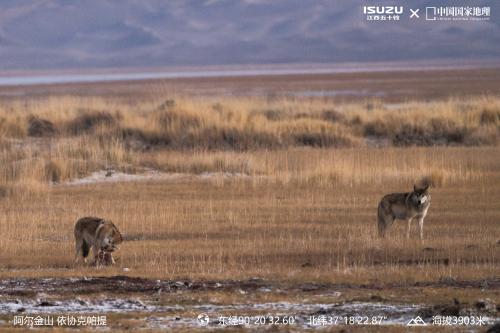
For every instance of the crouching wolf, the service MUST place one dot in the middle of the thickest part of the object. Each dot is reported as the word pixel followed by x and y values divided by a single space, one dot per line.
pixel 100 235
pixel 404 206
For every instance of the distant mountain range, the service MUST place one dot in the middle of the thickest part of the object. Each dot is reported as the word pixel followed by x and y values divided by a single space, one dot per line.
pixel 62 34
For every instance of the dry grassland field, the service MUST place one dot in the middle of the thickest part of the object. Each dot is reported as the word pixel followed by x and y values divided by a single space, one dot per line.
pixel 257 207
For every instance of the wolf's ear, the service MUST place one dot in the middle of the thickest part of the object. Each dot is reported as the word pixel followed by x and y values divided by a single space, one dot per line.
pixel 426 187
pixel 415 188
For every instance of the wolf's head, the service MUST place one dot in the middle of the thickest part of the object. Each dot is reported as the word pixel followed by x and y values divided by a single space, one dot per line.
pixel 111 237
pixel 420 195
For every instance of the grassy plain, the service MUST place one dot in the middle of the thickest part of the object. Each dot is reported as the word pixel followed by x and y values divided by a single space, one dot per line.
pixel 291 226
pixel 283 188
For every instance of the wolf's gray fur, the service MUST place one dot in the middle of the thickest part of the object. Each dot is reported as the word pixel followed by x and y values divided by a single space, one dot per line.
pixel 96 234
pixel 404 206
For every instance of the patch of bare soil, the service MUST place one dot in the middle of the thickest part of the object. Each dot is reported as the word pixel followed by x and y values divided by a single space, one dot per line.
pixel 127 284
pixel 166 304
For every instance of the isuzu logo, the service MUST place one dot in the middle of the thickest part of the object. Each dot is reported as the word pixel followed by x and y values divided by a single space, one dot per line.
pixel 383 10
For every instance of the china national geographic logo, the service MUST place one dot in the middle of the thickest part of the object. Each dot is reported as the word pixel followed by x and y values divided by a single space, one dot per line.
pixel 463 13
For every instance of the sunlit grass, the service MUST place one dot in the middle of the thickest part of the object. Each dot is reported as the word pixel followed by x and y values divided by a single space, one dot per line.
pixel 289 191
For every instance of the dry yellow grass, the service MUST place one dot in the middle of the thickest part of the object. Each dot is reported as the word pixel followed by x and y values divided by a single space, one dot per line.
pixel 53 139
pixel 252 122
pixel 272 228
pixel 300 202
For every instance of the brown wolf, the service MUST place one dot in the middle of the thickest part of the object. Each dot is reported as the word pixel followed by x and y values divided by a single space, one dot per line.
pixel 97 234
pixel 404 206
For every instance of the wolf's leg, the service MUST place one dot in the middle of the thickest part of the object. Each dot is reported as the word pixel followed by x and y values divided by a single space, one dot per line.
pixel 381 227
pixel 97 259
pixel 409 228
pixel 421 226
pixel 78 249
pixel 85 250
pixel 380 222
pixel 384 221
pixel 77 253
pixel 95 252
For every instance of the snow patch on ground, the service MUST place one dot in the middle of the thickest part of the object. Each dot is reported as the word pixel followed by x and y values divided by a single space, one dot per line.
pixel 112 176
pixel 186 316
pixel 73 306
pixel 396 314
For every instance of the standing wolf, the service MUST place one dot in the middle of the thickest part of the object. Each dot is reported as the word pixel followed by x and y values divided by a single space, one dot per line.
pixel 404 206
pixel 100 235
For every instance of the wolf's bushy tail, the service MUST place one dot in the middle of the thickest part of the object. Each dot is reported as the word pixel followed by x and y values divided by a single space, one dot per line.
pixel 85 249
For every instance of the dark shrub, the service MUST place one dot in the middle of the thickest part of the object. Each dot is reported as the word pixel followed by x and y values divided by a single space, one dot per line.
pixel 446 131
pixel 274 115
pixel 303 115
pixel 333 116
pixel 378 128
pixel 169 103
pixel 310 139
pixel 489 117
pixel 214 138
pixel 141 140
pixel 218 107
pixel 170 118
pixel 38 127
pixel 355 121
pixel 321 140
pixel 483 135
pixel 411 135
pixel 5 191
pixel 436 132
pixel 88 121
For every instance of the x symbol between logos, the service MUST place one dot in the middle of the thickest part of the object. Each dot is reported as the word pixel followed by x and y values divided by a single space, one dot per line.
pixel 414 13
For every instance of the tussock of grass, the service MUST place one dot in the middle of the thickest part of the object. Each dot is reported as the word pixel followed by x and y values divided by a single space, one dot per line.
pixel 89 121
pixel 54 139
pixel 39 127
pixel 253 123
pixel 30 165
pixel 490 116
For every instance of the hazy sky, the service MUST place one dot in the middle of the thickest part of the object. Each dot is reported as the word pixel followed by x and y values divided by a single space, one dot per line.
pixel 48 34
